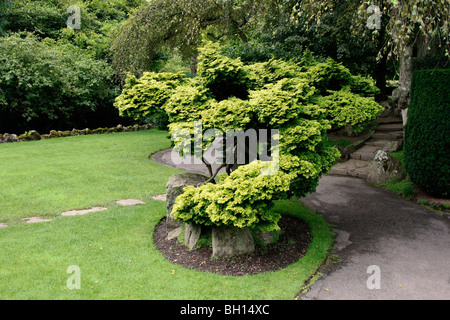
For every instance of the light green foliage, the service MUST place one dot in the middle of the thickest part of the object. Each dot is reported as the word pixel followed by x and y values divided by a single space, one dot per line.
pixel 343 107
pixel 260 74
pixel 223 76
pixel 187 102
pixel 143 98
pixel 276 106
pixel 363 86
pixel 273 95
pixel 329 75
pixel 244 199
pixel 232 113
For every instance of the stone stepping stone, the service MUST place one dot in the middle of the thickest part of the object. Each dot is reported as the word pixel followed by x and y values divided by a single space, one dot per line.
pixel 2 225
pixel 162 197
pixel 129 202
pixel 82 212
pixel 36 220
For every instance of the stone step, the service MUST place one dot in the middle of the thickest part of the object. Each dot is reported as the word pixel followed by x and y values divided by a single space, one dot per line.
pixel 377 143
pixel 362 156
pixel 365 153
pixel 395 135
pixel 390 127
pixel 351 168
pixel 389 120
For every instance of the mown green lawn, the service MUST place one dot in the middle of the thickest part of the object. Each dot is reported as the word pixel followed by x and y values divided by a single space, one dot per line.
pixel 45 178
pixel 113 249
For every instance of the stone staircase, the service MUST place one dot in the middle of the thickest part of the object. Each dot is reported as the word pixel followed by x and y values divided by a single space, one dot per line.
pixel 388 136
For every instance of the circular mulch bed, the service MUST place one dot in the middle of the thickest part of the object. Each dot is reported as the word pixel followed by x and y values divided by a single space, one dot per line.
pixel 291 246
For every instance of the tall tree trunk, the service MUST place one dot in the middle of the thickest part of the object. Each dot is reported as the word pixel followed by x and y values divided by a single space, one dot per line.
pixel 406 72
pixel 381 66
pixel 380 77
pixel 242 35
pixel 194 63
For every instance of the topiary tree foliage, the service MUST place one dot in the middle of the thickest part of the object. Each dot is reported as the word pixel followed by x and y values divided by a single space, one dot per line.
pixel 298 102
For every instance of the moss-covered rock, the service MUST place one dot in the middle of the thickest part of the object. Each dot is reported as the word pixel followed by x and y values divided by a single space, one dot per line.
pixel 64 133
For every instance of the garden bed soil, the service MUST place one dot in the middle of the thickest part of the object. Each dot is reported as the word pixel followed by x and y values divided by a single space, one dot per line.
pixel 292 245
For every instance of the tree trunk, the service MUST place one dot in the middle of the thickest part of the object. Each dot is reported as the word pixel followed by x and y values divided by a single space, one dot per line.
pixel 380 77
pixel 406 72
pixel 381 66
pixel 242 35
pixel 194 63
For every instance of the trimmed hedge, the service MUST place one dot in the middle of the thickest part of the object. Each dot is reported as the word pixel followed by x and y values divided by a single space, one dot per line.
pixel 427 140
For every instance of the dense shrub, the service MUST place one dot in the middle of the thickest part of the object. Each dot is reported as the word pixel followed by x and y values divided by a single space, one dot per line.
pixel 52 85
pixel 44 18
pixel 427 141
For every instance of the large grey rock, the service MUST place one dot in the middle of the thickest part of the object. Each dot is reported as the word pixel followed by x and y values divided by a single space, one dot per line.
pixel 174 233
pixel 192 235
pixel 34 135
pixel 174 188
pixel 393 146
pixel 383 168
pixel 231 241
pixel 10 138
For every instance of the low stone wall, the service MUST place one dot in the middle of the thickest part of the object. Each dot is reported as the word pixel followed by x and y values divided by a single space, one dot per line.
pixel 33 135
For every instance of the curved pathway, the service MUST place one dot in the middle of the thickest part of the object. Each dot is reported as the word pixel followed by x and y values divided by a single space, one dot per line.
pixel 388 248
pixel 377 233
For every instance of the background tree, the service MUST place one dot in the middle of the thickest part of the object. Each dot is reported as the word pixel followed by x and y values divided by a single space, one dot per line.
pixel 178 24
pixel 53 77
pixel 408 22
pixel 328 37
pixel 48 85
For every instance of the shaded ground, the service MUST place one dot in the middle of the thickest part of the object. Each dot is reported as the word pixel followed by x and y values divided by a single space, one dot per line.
pixel 291 246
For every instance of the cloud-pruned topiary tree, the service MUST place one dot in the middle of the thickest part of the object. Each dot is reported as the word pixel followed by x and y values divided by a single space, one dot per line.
pixel 298 103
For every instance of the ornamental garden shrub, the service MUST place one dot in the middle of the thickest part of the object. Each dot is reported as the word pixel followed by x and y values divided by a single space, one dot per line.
pixel 427 134
pixel 299 103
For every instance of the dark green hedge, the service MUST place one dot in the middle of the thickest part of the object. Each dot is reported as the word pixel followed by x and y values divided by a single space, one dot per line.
pixel 427 140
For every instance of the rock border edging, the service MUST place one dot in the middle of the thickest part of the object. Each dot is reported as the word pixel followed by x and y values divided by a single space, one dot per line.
pixel 33 135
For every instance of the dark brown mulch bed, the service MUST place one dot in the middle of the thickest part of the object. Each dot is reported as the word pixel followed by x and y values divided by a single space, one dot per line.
pixel 291 246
